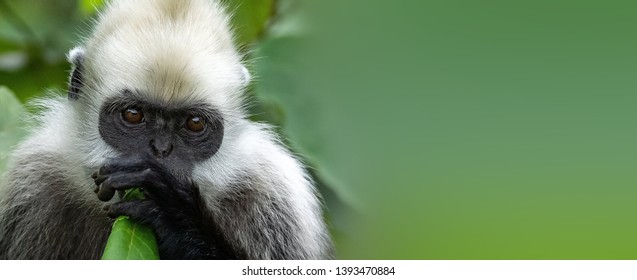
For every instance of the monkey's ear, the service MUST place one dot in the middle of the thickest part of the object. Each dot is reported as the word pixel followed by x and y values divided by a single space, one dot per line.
pixel 76 58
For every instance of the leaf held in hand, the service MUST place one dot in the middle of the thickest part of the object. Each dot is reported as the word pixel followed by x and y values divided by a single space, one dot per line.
pixel 130 240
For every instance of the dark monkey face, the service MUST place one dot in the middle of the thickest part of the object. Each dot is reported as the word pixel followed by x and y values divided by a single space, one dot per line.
pixel 177 136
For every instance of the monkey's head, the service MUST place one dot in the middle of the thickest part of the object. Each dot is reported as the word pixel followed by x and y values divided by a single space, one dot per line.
pixel 159 84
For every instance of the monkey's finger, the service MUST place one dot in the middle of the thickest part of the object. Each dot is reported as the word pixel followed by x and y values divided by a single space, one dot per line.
pixel 105 194
pixel 146 179
pixel 129 164
pixel 100 178
pixel 140 210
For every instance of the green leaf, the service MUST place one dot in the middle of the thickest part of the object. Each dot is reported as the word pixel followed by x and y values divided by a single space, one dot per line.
pixel 130 240
pixel 90 7
pixel 249 18
pixel 34 38
pixel 11 123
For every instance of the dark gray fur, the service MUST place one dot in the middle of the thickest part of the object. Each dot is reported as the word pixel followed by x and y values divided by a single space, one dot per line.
pixel 44 216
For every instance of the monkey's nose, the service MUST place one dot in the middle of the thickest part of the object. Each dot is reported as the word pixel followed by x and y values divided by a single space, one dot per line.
pixel 161 148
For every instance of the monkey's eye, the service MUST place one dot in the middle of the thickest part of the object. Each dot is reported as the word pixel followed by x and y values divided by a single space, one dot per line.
pixel 195 124
pixel 133 115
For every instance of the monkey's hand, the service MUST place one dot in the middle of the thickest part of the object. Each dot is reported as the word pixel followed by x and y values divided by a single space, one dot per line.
pixel 173 207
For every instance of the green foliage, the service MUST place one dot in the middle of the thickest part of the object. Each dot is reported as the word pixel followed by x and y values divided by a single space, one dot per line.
pixel 249 18
pixel 286 101
pixel 129 240
pixel 90 7
pixel 34 38
pixel 11 123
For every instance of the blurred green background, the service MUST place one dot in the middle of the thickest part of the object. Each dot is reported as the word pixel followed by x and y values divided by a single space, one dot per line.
pixel 436 129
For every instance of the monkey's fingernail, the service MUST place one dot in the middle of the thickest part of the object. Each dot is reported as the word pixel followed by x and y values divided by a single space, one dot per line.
pixel 96 189
pixel 94 175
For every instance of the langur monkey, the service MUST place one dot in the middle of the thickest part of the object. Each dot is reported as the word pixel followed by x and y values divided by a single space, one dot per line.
pixel 155 102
